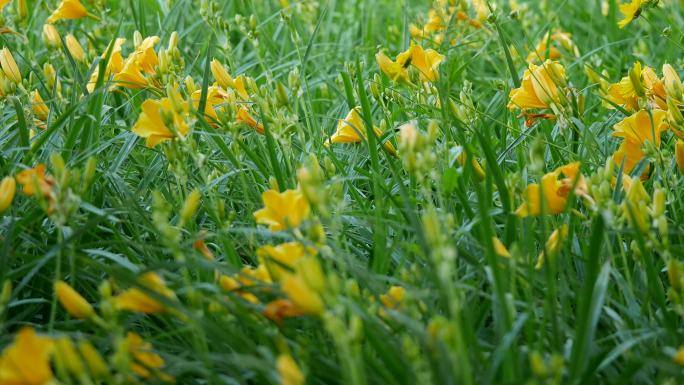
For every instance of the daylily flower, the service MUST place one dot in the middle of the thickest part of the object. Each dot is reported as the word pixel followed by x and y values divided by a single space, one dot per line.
pixel 282 210
pixel 137 300
pixel 302 295
pixel 641 82
pixel 630 11
pixel 160 121
pixel 68 10
pixel 281 259
pixel 247 277
pixel 540 88
pixel 27 360
pixel 500 249
pixel 396 70
pixel 243 116
pixel 636 130
pixel 8 187
pixel 352 128
pixel 114 65
pixel 427 62
pixel 217 100
pixel 553 191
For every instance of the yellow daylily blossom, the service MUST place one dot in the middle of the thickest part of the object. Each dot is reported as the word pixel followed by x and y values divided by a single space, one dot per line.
pixel 541 86
pixel 393 298
pixel 352 128
pixel 282 210
pixel 8 187
pixel 630 11
pixel 93 360
pixel 27 360
pixel 160 121
pixel 72 301
pixel 636 130
pixel 553 191
pixel 137 300
pixel 114 65
pixel 640 82
pixel 302 295
pixel 678 358
pixel 217 100
pixel 281 259
pixel 68 10
pixel 427 62
pixel 243 116
pixel 9 66
pixel 247 277
pixel 288 371
pixel 396 70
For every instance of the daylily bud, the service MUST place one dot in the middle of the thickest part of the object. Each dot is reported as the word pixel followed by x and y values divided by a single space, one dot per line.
pixel 190 206
pixel 75 48
pixel 72 301
pixel 93 359
pixel 679 155
pixel 635 79
pixel 673 85
pixel 8 187
pixel 68 356
pixel 51 36
pixel 9 66
pixel 221 75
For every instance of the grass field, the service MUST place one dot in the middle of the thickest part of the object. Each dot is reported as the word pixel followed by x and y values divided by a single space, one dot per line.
pixel 341 192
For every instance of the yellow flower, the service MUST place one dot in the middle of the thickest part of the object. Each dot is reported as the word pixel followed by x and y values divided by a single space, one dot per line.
pixel 114 66
pixel 3 3
pixel 51 36
pixel 281 259
pixel 553 191
pixel 426 61
pixel 552 245
pixel 147 362
pixel 636 130
pixel 302 295
pixel 27 360
pixel 500 249
pixel 137 300
pixel 9 66
pixel 221 75
pixel 640 82
pixel 282 210
pixel 550 45
pixel 352 128
pixel 679 356
pixel 94 361
pixel 34 180
pixel 630 11
pixel 396 70
pixel 289 371
pixel 68 10
pixel 72 301
pixel 394 297
pixel 8 187
pixel 75 48
pixel 541 86
pixel 160 121
pixel 243 116
pixel 679 156
pixel 38 106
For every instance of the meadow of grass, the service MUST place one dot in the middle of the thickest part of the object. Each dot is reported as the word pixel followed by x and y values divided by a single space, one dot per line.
pixel 341 192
